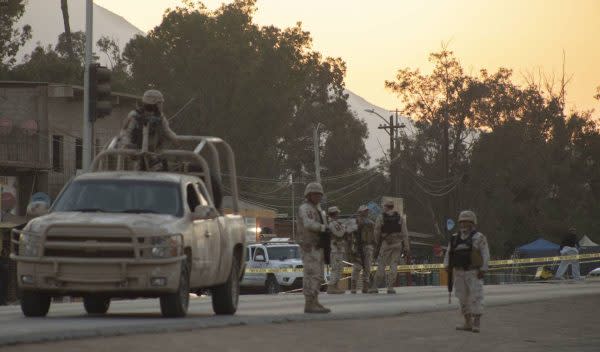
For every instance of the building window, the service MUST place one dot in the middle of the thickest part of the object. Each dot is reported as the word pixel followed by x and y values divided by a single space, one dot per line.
pixel 57 153
pixel 78 153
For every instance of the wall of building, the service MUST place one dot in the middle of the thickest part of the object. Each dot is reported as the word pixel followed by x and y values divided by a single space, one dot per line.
pixel 66 128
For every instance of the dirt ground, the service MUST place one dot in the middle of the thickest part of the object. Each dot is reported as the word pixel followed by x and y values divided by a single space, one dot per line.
pixel 571 324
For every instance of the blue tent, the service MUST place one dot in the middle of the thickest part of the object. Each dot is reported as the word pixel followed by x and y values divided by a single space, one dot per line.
pixel 538 248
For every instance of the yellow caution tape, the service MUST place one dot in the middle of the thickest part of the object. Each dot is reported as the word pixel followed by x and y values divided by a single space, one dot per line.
pixel 428 267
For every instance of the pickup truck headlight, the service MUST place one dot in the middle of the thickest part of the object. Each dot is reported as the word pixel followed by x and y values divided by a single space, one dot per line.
pixel 165 246
pixel 29 245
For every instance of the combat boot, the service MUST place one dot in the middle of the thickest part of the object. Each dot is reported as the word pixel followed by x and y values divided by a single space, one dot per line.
pixel 391 291
pixel 320 305
pixel 312 305
pixel 467 326
pixel 334 290
pixel 373 290
pixel 476 323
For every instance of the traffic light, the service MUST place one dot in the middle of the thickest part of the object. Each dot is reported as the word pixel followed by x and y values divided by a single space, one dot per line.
pixel 100 99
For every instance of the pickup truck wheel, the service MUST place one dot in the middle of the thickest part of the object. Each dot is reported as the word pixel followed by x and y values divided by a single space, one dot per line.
pixel 225 297
pixel 272 286
pixel 96 304
pixel 175 305
pixel 35 304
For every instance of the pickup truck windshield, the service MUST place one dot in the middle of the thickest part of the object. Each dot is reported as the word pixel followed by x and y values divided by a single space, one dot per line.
pixel 284 253
pixel 121 196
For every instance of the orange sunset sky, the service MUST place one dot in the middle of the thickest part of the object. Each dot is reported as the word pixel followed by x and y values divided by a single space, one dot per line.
pixel 377 37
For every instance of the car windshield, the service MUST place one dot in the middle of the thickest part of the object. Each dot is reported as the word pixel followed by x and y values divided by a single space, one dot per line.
pixel 121 196
pixel 284 252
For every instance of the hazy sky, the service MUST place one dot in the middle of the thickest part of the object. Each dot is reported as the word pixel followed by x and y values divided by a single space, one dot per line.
pixel 377 37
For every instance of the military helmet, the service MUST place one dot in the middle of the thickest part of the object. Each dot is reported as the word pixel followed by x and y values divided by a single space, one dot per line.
pixel 333 210
pixel 152 97
pixel 313 187
pixel 388 203
pixel 362 208
pixel 467 215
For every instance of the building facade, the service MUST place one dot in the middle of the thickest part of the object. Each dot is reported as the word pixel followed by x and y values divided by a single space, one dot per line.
pixel 41 145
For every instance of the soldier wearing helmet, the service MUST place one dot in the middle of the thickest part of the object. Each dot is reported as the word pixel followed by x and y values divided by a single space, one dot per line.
pixel 361 249
pixel 391 235
pixel 150 113
pixel 338 249
pixel 467 257
pixel 312 224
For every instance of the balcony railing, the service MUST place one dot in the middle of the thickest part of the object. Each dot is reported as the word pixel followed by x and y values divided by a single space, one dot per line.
pixel 24 151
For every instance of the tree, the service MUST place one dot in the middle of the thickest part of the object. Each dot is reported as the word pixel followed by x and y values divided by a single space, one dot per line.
pixel 261 88
pixel 442 104
pixel 515 157
pixel 11 39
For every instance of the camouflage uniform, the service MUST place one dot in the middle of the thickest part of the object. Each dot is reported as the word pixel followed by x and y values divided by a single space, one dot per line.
pixel 131 134
pixel 155 142
pixel 390 252
pixel 311 222
pixel 338 251
pixel 468 287
pixel 367 238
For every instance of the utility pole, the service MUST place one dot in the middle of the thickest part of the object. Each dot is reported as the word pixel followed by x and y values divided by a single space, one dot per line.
pixel 317 152
pixel 88 134
pixel 391 128
pixel 397 150
pixel 446 152
pixel 293 208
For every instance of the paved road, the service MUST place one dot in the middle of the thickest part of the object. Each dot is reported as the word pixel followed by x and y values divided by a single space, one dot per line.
pixel 68 320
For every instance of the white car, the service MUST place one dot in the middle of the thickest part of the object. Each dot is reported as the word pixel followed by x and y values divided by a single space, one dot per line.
pixel 595 272
pixel 275 254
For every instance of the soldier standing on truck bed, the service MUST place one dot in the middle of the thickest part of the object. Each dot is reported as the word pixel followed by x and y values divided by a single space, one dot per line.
pixel 392 239
pixel 151 114
pixel 312 226
pixel 338 231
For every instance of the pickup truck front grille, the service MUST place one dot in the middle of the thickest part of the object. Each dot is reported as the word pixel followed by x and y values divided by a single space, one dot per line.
pixel 68 242
pixel 80 253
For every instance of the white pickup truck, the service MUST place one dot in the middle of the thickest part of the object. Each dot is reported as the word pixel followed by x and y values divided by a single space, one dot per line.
pixel 274 254
pixel 126 234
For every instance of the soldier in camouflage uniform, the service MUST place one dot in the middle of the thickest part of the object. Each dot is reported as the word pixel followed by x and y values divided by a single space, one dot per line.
pixel 468 258
pixel 312 223
pixel 391 234
pixel 362 247
pixel 338 244
pixel 159 131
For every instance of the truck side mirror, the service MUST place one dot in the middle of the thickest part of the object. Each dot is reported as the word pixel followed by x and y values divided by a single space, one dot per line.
pixel 204 212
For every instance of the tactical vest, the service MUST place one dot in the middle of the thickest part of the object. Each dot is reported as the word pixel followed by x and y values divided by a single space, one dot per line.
pixel 154 132
pixel 463 254
pixel 391 223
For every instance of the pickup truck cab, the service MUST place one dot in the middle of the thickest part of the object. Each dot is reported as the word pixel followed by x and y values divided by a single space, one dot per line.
pixel 130 234
pixel 275 254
